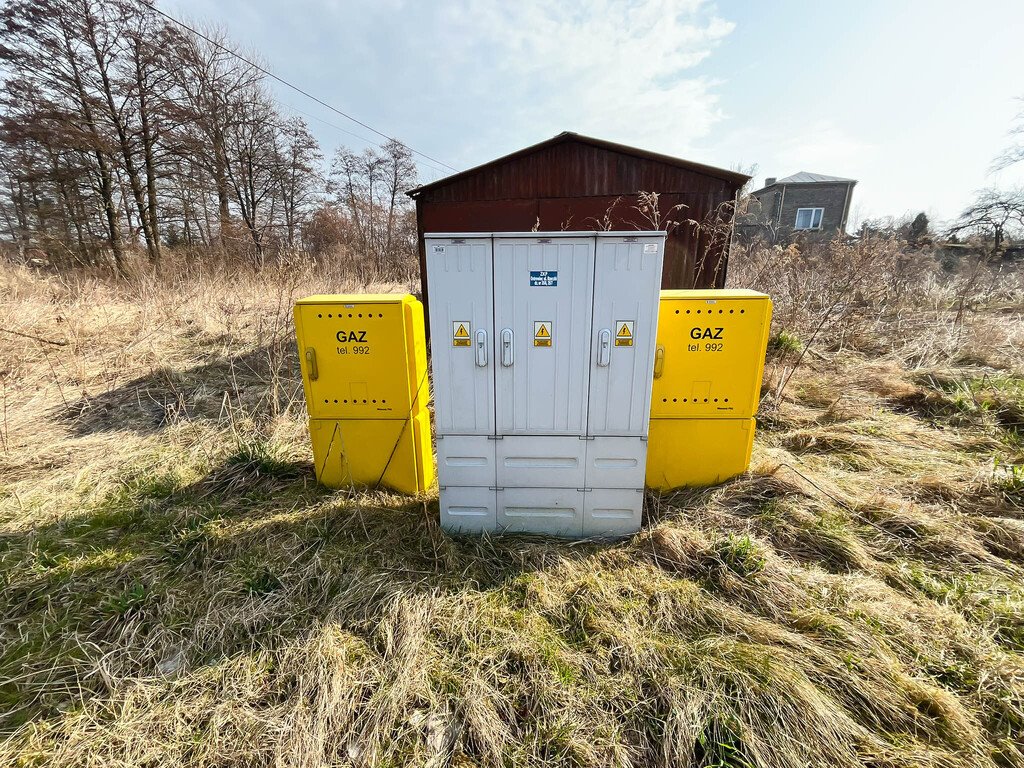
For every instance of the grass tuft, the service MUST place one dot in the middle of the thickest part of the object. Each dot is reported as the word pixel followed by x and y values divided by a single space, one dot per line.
pixel 785 342
pixel 740 555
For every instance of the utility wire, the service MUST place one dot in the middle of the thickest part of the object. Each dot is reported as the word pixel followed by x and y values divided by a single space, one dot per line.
pixel 151 6
pixel 350 133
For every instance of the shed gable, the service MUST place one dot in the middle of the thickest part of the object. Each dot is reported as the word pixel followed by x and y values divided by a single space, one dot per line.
pixel 573 167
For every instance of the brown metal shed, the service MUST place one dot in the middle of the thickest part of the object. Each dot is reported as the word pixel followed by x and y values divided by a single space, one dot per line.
pixel 571 182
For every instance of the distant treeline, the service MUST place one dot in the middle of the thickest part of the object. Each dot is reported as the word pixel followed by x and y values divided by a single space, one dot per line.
pixel 121 132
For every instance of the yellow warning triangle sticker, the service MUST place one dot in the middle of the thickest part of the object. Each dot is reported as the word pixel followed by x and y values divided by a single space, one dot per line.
pixel 462 333
pixel 542 332
pixel 624 330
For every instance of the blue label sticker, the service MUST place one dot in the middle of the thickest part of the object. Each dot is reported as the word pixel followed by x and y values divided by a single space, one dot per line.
pixel 544 277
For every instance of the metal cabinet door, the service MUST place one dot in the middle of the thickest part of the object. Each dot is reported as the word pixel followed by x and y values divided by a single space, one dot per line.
pixel 459 272
pixel 712 347
pixel 626 288
pixel 543 289
pixel 361 352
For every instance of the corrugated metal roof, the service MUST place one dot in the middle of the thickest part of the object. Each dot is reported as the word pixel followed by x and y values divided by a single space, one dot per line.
pixel 810 178
pixel 569 136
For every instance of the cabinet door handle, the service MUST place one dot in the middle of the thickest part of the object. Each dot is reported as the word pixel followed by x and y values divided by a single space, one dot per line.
pixel 481 348
pixel 604 347
pixel 659 361
pixel 506 347
pixel 314 373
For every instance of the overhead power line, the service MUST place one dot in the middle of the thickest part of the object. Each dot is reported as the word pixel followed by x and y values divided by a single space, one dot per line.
pixel 151 6
pixel 328 123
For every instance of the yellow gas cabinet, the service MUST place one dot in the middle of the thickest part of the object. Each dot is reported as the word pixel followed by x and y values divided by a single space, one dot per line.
pixel 364 373
pixel 707 380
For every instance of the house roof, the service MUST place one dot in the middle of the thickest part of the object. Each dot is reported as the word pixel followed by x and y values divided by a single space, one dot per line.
pixel 810 178
pixel 805 177
pixel 568 136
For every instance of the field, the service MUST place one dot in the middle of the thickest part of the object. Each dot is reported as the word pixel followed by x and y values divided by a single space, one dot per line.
pixel 175 589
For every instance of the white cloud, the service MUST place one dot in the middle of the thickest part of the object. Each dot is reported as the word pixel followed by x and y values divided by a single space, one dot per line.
pixel 615 69
pixel 466 81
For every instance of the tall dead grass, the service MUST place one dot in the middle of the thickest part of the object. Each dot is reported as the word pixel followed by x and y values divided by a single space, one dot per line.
pixel 176 590
pixel 881 298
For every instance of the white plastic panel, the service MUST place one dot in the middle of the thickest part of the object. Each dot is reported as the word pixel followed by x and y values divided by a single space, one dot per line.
pixel 543 293
pixel 465 460
pixel 468 510
pixel 459 273
pixel 553 511
pixel 616 462
pixel 626 293
pixel 552 462
pixel 612 512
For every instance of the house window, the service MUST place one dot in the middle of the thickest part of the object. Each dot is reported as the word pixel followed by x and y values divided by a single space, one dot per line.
pixel 809 218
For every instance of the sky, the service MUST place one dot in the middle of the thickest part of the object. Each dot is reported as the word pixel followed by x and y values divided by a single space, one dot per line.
pixel 913 99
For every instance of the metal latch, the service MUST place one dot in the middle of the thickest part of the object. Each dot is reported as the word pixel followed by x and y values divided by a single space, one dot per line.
pixel 314 373
pixel 659 361
pixel 604 347
pixel 506 347
pixel 481 348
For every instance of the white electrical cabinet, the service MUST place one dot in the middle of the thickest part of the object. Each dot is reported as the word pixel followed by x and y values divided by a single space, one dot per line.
pixel 542 350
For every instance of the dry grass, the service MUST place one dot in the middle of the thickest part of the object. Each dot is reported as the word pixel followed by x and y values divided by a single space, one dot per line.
pixel 178 591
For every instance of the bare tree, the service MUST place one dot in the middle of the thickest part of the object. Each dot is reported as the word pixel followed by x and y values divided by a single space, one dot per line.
pixel 119 131
pixel 123 40
pixel 399 173
pixel 1014 153
pixel 252 163
pixel 211 84
pixel 350 188
pixel 148 84
pixel 298 175
pixel 49 102
pixel 995 215
pixel 369 188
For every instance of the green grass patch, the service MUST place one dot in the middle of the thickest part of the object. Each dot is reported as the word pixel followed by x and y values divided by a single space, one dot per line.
pixel 785 343
pixel 741 555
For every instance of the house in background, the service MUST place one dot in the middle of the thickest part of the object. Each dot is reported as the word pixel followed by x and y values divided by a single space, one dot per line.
pixel 811 204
